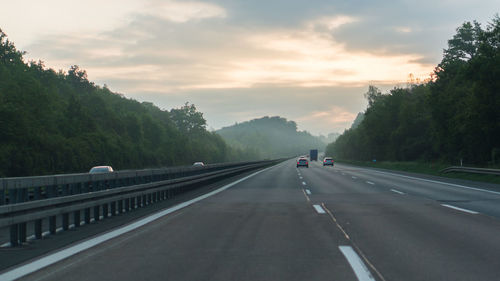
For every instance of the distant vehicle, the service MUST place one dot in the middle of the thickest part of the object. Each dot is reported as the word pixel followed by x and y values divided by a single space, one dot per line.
pixel 328 161
pixel 313 155
pixel 302 162
pixel 198 164
pixel 101 169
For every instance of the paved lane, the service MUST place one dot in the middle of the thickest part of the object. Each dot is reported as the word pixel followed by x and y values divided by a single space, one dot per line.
pixel 410 236
pixel 317 223
pixel 261 229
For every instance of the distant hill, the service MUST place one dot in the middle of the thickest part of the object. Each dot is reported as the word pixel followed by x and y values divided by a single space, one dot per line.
pixel 270 137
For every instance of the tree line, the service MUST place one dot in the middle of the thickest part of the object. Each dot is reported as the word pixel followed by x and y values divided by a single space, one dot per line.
pixel 454 116
pixel 60 122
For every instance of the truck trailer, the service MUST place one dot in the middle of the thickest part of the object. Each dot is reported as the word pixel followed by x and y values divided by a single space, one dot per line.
pixel 313 155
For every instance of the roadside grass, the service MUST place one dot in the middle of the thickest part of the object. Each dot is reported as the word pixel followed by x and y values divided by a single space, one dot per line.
pixel 424 168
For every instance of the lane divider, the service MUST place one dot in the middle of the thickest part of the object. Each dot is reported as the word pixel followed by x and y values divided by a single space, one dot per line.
pixel 355 249
pixel 460 209
pixel 318 209
pixel 50 259
pixel 307 197
pixel 357 265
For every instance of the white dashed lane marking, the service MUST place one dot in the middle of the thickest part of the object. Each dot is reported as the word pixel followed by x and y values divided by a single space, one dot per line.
pixel 319 209
pixel 397 191
pixel 358 266
pixel 460 209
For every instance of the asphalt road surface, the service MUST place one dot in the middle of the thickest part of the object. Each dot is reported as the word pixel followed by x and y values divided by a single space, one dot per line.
pixel 317 223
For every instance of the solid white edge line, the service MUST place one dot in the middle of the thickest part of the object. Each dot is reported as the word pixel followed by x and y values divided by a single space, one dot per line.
pixel 438 182
pixel 72 250
pixel 460 209
pixel 308 192
pixel 357 265
pixel 397 191
pixel 317 208
pixel 369 182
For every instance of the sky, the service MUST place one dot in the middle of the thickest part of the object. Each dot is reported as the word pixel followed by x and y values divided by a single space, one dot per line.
pixel 307 61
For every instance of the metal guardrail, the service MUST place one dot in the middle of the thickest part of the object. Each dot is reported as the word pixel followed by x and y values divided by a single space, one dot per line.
pixel 471 170
pixel 34 199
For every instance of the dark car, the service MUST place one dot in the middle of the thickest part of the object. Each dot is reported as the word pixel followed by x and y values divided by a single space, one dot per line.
pixel 328 161
pixel 302 162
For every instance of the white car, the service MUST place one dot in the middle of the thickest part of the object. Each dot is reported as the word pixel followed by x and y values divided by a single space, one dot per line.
pixel 198 164
pixel 101 169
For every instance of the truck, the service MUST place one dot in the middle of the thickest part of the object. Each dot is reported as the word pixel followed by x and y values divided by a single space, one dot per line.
pixel 313 155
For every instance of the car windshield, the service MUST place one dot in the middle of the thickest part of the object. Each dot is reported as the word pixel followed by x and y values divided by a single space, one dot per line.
pixel 99 170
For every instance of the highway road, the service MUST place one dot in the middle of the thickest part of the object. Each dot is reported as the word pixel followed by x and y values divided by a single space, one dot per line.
pixel 317 223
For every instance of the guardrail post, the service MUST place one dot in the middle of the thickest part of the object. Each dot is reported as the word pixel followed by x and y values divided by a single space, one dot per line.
pixel 105 210
pixel 97 215
pixel 38 229
pixel 22 232
pixel 87 215
pixel 3 192
pixel 15 196
pixel 120 206
pixel 52 224
pixel 113 208
pixel 23 197
pixel 126 203
pixel 65 221
pixel 14 235
pixel 76 218
pixel 37 193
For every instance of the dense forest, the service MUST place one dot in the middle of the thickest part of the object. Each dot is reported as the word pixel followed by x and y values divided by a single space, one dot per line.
pixel 455 115
pixel 270 137
pixel 57 122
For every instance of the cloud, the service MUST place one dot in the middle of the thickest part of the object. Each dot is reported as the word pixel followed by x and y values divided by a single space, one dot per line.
pixel 403 29
pixel 335 117
pixel 183 11
pixel 242 59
